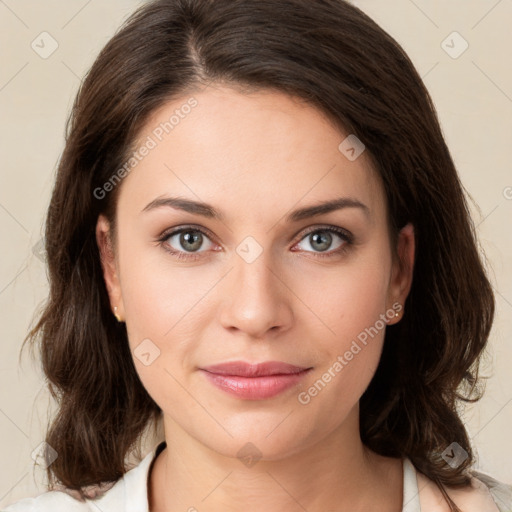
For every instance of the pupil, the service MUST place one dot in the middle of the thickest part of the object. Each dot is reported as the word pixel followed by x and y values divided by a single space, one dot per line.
pixel 324 240
pixel 187 238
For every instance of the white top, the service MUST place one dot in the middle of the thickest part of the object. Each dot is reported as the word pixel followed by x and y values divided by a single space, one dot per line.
pixel 130 494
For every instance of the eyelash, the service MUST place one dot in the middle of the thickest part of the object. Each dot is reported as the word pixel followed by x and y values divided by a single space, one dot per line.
pixel 182 255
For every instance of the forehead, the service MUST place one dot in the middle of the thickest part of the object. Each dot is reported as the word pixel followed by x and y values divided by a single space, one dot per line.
pixel 254 152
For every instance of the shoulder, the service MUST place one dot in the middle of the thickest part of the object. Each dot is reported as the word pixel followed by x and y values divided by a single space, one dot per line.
pixel 485 494
pixel 107 497
pixel 66 500
pixel 500 491
pixel 51 501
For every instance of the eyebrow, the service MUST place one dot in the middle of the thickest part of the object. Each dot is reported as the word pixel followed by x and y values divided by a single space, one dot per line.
pixel 206 210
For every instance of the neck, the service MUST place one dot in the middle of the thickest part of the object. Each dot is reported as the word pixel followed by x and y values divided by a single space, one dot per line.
pixel 338 473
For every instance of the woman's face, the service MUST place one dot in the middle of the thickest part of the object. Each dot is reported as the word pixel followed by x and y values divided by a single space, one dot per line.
pixel 250 279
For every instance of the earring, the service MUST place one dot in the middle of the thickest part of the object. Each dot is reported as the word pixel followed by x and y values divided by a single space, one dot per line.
pixel 118 318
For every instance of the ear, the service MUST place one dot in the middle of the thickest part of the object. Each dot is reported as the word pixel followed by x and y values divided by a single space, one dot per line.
pixel 402 271
pixel 109 264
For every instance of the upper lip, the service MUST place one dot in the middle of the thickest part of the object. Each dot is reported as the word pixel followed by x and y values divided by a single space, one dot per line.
pixel 243 369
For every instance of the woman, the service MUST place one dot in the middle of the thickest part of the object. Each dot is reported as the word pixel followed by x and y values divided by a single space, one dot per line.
pixel 212 147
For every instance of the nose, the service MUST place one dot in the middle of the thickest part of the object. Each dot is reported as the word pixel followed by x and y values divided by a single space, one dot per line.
pixel 256 298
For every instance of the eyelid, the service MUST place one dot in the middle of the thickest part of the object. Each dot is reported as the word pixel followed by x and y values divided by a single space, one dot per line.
pixel 178 229
pixel 327 227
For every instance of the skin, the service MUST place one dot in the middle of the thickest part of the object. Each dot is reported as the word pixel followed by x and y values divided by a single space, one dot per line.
pixel 256 157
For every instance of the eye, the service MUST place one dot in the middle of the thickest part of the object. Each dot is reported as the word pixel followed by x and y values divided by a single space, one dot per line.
pixel 185 241
pixel 321 240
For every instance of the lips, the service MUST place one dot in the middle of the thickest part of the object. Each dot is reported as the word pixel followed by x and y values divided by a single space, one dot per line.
pixel 254 381
pixel 243 369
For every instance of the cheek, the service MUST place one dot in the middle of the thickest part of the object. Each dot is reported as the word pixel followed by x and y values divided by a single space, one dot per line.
pixel 350 354
pixel 348 298
pixel 157 294
pixel 163 307
pixel 352 302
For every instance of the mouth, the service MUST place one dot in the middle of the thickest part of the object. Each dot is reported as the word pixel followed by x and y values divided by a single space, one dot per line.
pixel 255 381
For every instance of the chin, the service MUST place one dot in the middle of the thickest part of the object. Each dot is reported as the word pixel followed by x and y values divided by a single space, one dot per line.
pixel 259 441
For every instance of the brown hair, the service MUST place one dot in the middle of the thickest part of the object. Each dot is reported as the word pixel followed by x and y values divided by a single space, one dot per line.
pixel 333 56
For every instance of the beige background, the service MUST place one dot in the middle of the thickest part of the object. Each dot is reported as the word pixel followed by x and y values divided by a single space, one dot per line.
pixel 473 95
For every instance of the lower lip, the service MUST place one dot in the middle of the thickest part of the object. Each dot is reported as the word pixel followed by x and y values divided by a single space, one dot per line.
pixel 255 388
